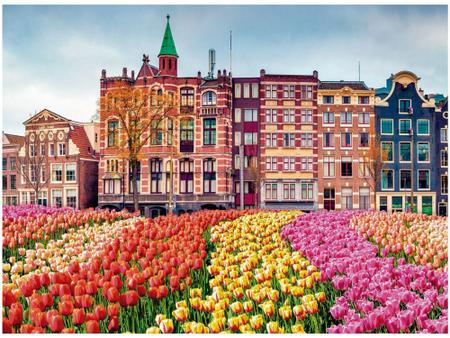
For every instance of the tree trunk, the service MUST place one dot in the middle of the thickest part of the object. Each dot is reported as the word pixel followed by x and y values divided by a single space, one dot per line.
pixel 134 184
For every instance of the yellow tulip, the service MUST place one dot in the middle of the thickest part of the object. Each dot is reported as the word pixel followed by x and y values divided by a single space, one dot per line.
pixel 320 296
pixel 153 329
pixel 299 312
pixel 272 327
pixel 196 292
pixel 166 326
pixel 285 312
pixel 196 303
pixel 245 328
pixel 268 308
pixel 180 314
pixel 297 291
pixel 159 318
pixel 6 267
pixel 217 325
pixel 273 295
pixel 256 322
pixel 237 307
pixel 298 328
pixel 248 306
pixel 233 323
pixel 181 304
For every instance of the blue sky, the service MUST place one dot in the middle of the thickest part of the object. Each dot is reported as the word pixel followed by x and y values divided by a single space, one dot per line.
pixel 53 55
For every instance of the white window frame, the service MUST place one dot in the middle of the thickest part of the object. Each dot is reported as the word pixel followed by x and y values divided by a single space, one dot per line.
pixel 400 180
pixel 255 90
pixel 327 123
pixel 429 152
pixel 393 151
pixel 410 105
pixel 399 152
pixel 306 116
pixel 393 180
pixel 363 114
pixel 59 149
pixel 443 151
pixel 51 172
pixel 246 91
pixel 410 126
pixel 333 166
pixel 444 140
pixel 417 127
pixel 429 180
pixel 345 123
pixel 392 126
pixel 440 183
pixel 237 115
pixel 237 90
pixel 65 172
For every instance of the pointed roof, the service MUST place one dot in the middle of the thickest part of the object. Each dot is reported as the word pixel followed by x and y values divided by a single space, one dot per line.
pixel 45 116
pixel 168 45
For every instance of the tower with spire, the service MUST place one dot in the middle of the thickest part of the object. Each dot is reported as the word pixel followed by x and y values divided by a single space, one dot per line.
pixel 168 57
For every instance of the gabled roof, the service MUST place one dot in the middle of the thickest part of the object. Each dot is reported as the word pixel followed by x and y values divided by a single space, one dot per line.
pixel 147 70
pixel 15 139
pixel 336 85
pixel 168 45
pixel 78 136
pixel 44 115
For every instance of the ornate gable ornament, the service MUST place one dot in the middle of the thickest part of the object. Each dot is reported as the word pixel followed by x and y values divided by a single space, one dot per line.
pixel 45 116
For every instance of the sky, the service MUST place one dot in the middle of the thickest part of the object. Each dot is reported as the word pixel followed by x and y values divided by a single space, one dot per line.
pixel 53 55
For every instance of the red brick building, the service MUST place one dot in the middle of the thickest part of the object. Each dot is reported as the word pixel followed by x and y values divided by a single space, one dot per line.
pixel 61 154
pixel 346 130
pixel 199 141
pixel 10 147
pixel 288 141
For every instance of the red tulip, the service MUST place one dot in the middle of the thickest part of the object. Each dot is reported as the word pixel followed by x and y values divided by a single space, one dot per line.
pixel 112 295
pixel 99 312
pixel 65 308
pixel 7 326
pixel 8 298
pixel 26 328
pixel 26 289
pixel 38 330
pixel 116 281
pixel 153 292
pixel 51 313
pixel 15 314
pixel 174 283
pixel 113 324
pixel 56 323
pixel 163 292
pixel 86 301
pixel 92 326
pixel 74 267
pixel 64 289
pixel 40 319
pixel 79 290
pixel 91 288
pixel 78 316
pixel 113 310
pixel 45 279
pixel 68 330
pixel 47 299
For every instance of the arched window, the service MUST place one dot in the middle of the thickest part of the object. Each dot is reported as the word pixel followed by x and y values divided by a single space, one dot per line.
pixel 186 176
pixel 209 175
pixel 187 135
pixel 156 175
pixel 209 98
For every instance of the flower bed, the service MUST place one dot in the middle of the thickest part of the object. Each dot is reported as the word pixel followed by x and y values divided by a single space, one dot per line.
pixel 103 278
pixel 380 294
pixel 420 239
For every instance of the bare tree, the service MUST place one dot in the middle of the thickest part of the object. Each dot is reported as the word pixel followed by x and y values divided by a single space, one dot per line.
pixel 33 166
pixel 374 162
pixel 141 114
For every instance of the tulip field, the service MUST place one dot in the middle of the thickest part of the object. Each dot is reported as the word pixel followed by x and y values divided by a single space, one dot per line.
pixel 223 271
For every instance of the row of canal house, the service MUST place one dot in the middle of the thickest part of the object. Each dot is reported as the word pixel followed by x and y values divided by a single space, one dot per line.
pixel 276 141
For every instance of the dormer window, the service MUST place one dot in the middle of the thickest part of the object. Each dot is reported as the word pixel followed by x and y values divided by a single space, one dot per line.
pixel 209 99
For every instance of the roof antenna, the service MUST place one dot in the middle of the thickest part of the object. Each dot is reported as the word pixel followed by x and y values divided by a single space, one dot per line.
pixel 359 71
pixel 231 49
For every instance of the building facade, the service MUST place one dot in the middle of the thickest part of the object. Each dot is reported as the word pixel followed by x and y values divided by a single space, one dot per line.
pixel 405 120
pixel 346 131
pixel 288 141
pixel 58 162
pixel 196 138
pixel 441 140
pixel 246 126
pixel 10 147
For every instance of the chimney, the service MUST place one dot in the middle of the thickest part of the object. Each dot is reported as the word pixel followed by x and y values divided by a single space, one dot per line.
pixel 219 73
pixel 199 75
pixel 315 74
pixel 262 72
pixel 132 75
pixel 124 72
pixel 225 72
pixel 212 62
pixel 103 73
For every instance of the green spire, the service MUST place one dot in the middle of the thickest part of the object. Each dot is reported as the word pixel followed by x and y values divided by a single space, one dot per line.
pixel 168 45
